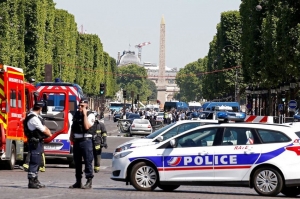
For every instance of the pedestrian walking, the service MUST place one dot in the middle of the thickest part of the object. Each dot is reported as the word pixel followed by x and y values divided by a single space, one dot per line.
pixel 81 135
pixel 36 131
pixel 99 142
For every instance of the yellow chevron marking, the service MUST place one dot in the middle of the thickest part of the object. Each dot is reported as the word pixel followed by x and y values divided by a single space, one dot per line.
pixel 2 82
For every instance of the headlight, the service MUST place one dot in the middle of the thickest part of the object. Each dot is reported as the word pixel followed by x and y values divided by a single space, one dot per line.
pixel 123 148
pixel 122 155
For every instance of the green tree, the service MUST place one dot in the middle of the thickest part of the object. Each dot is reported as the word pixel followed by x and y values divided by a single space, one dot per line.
pixel 189 80
pixel 152 88
pixel 133 78
pixel 64 51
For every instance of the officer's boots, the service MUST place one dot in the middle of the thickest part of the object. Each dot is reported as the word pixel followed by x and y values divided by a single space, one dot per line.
pixel 88 184
pixel 77 185
pixel 39 183
pixel 33 184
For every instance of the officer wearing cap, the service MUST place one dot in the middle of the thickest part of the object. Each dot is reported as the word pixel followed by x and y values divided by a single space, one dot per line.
pixel 81 135
pixel 35 132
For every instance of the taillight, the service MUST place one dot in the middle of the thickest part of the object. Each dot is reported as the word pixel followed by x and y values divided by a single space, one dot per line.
pixel 3 106
pixel 296 149
pixel 132 125
pixel 149 126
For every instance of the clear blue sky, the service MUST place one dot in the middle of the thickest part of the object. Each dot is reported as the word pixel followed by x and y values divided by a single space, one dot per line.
pixel 190 25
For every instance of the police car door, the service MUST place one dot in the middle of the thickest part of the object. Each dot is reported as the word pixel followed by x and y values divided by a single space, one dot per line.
pixel 238 150
pixel 191 159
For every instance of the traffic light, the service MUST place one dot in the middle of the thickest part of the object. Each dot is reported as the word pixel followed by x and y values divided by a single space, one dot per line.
pixel 102 89
pixel 124 94
pixel 283 96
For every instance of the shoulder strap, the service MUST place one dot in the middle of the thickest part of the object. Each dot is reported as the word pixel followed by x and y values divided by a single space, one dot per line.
pixel 28 117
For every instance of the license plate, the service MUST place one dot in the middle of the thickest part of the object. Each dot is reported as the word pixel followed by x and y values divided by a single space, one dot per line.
pixel 48 146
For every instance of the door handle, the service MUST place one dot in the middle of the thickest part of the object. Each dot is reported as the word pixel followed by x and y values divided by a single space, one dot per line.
pixel 203 153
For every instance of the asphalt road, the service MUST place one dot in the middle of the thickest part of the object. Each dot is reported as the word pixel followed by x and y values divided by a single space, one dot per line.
pixel 58 177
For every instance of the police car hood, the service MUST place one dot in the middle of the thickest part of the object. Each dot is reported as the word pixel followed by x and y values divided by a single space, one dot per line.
pixel 138 142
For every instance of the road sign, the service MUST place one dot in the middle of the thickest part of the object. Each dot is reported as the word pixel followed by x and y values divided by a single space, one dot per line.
pixel 280 107
pixel 292 104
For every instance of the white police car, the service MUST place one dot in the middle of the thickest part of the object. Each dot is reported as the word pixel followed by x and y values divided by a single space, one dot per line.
pixel 261 156
pixel 164 133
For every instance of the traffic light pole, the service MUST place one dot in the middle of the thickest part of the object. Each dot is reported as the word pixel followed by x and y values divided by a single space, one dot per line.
pixel 102 100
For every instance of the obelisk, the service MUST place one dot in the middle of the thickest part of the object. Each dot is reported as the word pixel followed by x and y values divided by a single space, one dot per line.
pixel 161 85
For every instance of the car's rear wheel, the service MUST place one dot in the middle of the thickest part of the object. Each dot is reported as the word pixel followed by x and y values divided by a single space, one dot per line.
pixel 144 177
pixel 267 181
pixel 290 191
pixel 168 187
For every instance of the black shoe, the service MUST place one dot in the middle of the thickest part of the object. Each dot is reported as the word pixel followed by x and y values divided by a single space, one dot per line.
pixel 77 185
pixel 40 184
pixel 33 184
pixel 88 184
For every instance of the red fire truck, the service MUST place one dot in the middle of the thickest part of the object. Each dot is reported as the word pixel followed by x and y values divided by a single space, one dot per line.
pixel 16 98
pixel 62 100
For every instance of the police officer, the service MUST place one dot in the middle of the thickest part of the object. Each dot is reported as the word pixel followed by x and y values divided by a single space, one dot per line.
pixel 99 141
pixel 81 135
pixel 35 132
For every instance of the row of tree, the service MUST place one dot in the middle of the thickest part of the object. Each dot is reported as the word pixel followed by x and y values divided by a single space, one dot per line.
pixel 34 33
pixel 259 45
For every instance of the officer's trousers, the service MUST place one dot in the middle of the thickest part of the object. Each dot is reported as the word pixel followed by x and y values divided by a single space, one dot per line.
pixel 43 161
pixel 35 150
pixel 83 148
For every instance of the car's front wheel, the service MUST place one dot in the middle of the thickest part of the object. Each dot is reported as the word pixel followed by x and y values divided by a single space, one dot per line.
pixel 267 181
pixel 290 191
pixel 144 177
pixel 168 187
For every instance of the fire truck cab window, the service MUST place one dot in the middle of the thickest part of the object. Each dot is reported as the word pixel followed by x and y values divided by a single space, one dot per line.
pixel 56 102
pixel 13 99
pixel 19 99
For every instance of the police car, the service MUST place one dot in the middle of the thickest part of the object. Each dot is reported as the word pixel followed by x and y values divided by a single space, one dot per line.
pixel 164 133
pixel 260 156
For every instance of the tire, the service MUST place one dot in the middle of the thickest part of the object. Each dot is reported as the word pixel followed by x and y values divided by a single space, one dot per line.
pixel 168 188
pixel 290 191
pixel 10 164
pixel 263 178
pixel 144 177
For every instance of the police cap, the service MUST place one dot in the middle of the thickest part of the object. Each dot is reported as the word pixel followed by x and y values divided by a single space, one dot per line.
pixel 39 104
pixel 85 101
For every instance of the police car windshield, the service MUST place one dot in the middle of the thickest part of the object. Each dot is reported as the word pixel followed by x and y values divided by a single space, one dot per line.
pixel 159 131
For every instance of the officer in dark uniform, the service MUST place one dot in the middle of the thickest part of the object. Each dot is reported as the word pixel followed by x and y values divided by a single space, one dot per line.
pixel 81 135
pixel 99 141
pixel 35 132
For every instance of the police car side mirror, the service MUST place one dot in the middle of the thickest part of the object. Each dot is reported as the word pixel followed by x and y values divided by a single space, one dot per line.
pixel 173 143
pixel 160 138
